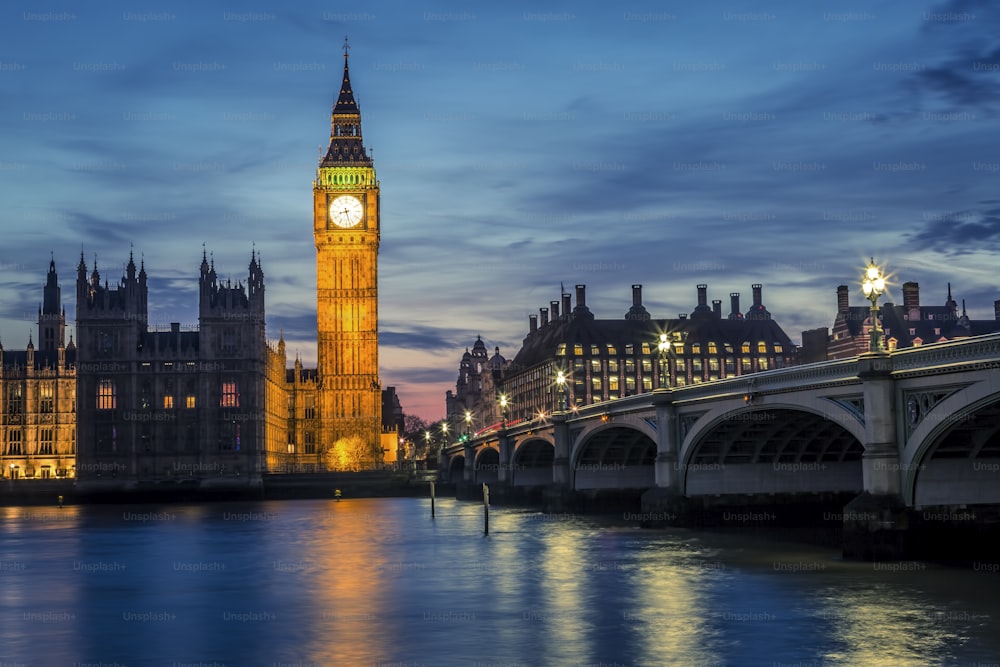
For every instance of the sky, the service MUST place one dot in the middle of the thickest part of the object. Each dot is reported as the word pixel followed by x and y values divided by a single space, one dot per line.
pixel 520 147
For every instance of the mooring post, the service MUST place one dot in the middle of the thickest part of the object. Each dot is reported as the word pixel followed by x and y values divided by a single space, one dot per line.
pixel 486 509
pixel 432 499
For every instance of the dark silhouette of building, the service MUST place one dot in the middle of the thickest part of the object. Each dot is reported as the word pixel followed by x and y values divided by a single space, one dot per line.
pixel 907 325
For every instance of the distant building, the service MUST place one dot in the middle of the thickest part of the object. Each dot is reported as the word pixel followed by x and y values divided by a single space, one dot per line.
pixel 608 359
pixel 38 397
pixel 203 405
pixel 907 325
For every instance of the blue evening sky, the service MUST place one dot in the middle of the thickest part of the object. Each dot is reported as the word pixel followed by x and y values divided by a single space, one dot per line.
pixel 519 146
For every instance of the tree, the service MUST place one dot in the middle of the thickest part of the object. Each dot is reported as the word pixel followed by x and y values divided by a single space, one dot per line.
pixel 348 454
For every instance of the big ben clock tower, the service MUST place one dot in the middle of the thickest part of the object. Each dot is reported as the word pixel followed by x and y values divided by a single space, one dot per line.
pixel 346 230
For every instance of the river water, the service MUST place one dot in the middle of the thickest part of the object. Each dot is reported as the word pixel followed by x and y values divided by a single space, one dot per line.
pixel 377 582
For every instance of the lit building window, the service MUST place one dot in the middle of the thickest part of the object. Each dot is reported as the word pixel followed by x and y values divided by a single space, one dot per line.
pixel 647 366
pixel 561 350
pixel 46 403
pixel 647 383
pixel 777 348
pixel 761 347
pixel 14 443
pixel 613 384
pixel 309 412
pixel 645 349
pixel 745 364
pixel 230 395
pixel 712 348
pixel 45 441
pixel 189 401
pixel 578 349
pixel 168 402
pixel 595 349
pixel 310 442
pixel 595 366
pixel 629 350
pixel 713 366
pixel 106 397
pixel 762 364
pixel 681 366
pixel 696 348
pixel 746 347
pixel 612 352
pixel 612 365
pixel 15 400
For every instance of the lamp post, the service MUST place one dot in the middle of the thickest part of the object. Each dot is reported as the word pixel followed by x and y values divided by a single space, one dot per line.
pixel 873 285
pixel 561 384
pixel 663 345
pixel 444 433
pixel 468 424
pixel 503 411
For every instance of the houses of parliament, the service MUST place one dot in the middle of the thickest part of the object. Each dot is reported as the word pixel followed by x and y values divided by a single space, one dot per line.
pixel 214 405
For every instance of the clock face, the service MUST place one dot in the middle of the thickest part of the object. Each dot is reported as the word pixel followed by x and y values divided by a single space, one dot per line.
pixel 346 211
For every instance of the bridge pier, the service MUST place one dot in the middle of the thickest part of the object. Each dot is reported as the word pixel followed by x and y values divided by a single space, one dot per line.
pixel 876 522
pixel 665 504
pixel 469 472
pixel 504 476
pixel 561 474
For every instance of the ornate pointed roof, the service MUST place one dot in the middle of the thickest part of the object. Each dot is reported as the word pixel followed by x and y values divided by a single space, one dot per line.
pixel 346 144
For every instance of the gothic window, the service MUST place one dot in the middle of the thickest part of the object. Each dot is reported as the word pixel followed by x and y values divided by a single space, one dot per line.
pixel 168 402
pixel 230 395
pixel 189 401
pixel 15 400
pixel 145 396
pixel 45 441
pixel 46 402
pixel 310 442
pixel 14 443
pixel 106 397
pixel 310 409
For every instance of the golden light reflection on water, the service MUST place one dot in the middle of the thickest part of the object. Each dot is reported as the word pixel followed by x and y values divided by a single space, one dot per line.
pixel 567 598
pixel 349 596
pixel 671 610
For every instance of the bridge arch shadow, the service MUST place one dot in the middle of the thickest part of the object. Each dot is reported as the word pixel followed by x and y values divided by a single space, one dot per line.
pixel 486 469
pixel 532 463
pixel 770 450
pixel 615 457
pixel 956 456
pixel 456 468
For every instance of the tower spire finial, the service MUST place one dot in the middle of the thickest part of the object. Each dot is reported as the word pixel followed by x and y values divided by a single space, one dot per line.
pixel 347 46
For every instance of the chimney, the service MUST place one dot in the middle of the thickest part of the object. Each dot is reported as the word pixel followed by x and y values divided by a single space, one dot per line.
pixel 637 311
pixel 911 300
pixel 757 301
pixel 543 316
pixel 843 299
pixel 734 300
pixel 703 295
pixel 717 307
pixel 532 323
pixel 566 305
pixel 996 310
pixel 581 296
pixel 554 309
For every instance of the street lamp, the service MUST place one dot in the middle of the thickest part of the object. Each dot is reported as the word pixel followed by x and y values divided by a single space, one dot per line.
pixel 444 433
pixel 561 383
pixel 873 285
pixel 468 424
pixel 503 411
pixel 663 345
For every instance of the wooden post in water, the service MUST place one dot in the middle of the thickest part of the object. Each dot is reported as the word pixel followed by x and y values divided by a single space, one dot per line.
pixel 432 499
pixel 486 509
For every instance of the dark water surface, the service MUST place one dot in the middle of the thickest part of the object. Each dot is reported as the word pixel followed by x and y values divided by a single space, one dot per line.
pixel 376 582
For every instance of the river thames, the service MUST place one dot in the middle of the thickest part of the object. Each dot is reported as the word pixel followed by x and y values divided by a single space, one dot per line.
pixel 378 582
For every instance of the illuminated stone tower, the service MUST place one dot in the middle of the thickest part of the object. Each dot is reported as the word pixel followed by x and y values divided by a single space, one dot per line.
pixel 346 230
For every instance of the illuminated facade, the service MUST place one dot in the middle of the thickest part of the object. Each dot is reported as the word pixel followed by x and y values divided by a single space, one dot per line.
pixel 38 398
pixel 346 231
pixel 607 359
pixel 198 405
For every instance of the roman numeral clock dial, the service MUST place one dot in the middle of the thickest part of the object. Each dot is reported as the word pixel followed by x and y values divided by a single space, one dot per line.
pixel 346 211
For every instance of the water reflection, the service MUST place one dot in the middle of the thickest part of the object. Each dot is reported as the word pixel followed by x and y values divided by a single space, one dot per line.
pixel 376 581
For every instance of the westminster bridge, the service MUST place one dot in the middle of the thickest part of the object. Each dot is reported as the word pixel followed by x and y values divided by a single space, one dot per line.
pixel 909 430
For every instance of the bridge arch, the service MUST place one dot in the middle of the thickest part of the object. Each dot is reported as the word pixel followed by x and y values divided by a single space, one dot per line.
pixel 614 456
pixel 456 468
pixel 486 468
pixel 531 464
pixel 773 449
pixel 952 456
